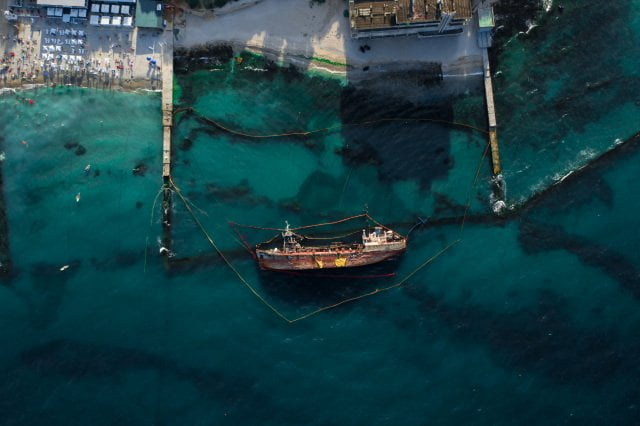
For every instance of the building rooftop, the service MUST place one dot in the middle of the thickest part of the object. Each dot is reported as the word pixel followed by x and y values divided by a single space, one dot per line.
pixel 62 3
pixel 149 14
pixel 367 14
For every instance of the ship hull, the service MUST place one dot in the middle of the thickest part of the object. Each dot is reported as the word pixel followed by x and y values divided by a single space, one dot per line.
pixel 323 260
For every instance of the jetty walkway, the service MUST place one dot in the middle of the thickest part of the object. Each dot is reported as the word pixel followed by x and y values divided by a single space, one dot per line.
pixel 491 114
pixel 167 101
pixel 167 125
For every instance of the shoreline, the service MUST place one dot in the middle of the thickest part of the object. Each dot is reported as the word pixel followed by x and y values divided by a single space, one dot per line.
pixel 465 66
pixel 310 66
pixel 306 65
pixel 136 86
pixel 209 53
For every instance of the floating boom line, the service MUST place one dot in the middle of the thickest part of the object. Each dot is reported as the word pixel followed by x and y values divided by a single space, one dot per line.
pixel 307 133
pixel 374 292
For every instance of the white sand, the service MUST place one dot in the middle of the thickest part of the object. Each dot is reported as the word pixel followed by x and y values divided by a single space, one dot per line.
pixel 291 29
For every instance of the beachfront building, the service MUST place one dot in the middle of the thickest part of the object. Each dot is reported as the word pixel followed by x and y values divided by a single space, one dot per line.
pixel 70 11
pixel 113 13
pixel 424 18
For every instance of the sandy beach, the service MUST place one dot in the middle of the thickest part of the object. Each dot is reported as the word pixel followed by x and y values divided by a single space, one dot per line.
pixel 39 50
pixel 318 37
pixel 289 31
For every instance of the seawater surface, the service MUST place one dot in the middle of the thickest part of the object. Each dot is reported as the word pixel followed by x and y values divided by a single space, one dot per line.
pixel 530 318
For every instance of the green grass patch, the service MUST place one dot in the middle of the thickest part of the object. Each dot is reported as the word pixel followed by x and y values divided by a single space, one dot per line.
pixel 177 91
pixel 327 61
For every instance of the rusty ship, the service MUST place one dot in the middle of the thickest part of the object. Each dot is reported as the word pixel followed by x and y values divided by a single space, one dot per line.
pixel 376 245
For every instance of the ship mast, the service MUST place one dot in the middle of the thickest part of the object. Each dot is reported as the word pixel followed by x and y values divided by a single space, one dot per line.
pixel 289 239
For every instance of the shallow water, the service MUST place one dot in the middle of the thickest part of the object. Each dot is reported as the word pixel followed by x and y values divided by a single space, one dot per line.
pixel 530 317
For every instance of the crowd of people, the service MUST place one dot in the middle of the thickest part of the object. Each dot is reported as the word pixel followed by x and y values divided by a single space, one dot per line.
pixel 19 63
pixel 63 53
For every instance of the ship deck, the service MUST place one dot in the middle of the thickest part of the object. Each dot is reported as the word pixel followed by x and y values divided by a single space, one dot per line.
pixel 332 250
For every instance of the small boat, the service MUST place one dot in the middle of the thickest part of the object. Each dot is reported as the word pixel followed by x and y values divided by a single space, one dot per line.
pixel 87 169
pixel 376 245
pixel 78 197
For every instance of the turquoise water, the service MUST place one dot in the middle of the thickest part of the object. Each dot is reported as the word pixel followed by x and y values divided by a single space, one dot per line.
pixel 531 317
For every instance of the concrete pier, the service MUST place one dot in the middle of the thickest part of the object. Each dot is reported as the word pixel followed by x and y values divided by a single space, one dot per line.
pixel 491 114
pixel 167 124
pixel 167 101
